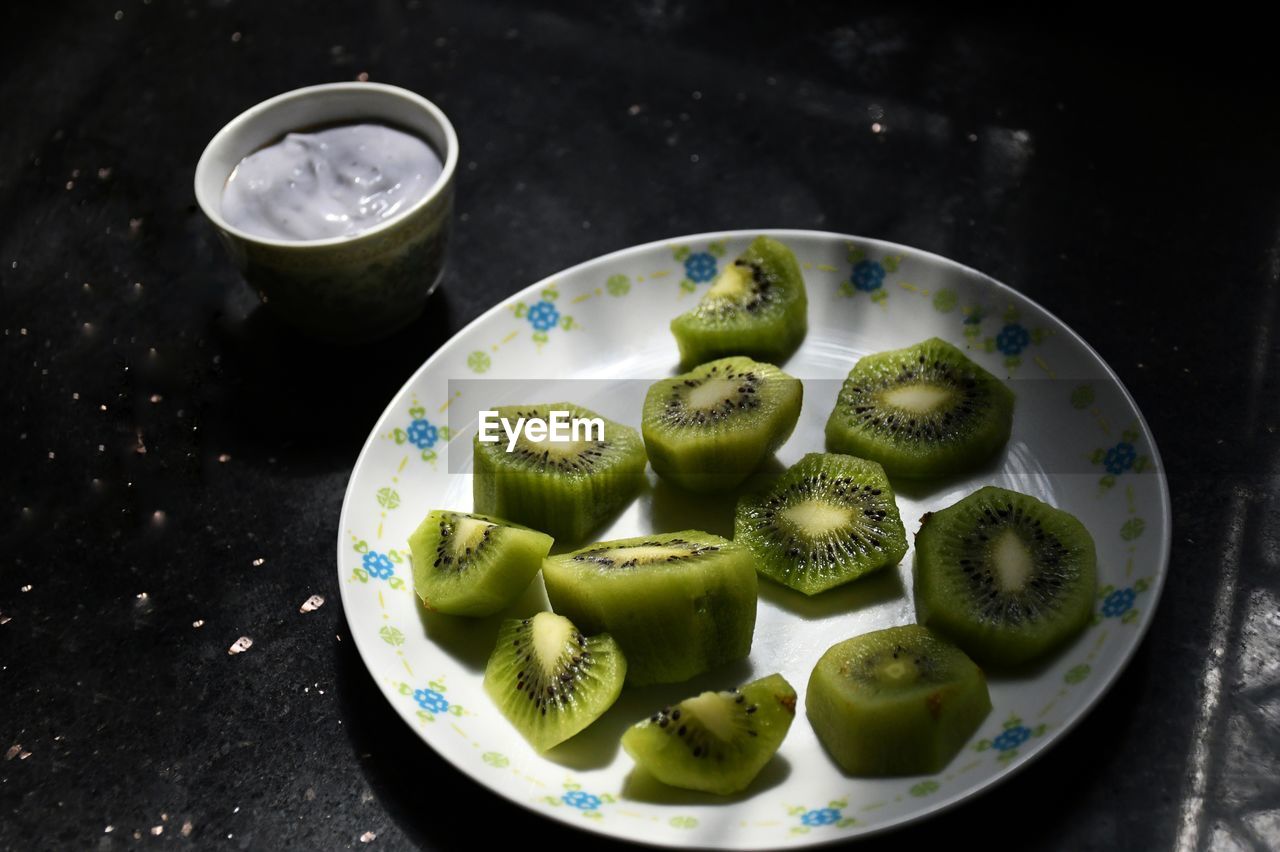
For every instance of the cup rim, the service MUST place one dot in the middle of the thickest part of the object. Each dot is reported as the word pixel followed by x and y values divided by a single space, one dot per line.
pixel 212 209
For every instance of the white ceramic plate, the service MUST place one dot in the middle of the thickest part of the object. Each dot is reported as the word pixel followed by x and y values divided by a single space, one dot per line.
pixel 1078 442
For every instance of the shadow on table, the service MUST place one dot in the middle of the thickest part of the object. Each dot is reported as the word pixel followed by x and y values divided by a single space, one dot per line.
pixel 309 405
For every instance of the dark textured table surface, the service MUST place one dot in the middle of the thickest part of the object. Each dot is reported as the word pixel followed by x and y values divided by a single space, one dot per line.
pixel 175 461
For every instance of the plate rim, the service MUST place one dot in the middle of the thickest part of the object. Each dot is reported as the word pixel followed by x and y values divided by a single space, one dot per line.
pixel 936 807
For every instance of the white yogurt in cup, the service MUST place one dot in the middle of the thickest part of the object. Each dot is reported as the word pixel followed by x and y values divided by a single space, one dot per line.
pixel 336 182
pixel 347 253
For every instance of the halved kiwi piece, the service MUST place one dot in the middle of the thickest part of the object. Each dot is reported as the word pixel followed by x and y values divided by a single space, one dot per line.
pixel 829 519
pixel 1007 577
pixel 923 412
pixel 901 701
pixel 565 488
pixel 756 306
pixel 551 680
pixel 466 564
pixel 716 742
pixel 709 429
pixel 678 603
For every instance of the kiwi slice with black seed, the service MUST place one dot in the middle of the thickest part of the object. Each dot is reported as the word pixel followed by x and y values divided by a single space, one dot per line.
pixel 901 701
pixel 551 680
pixel 565 488
pixel 756 307
pixel 678 604
pixel 1007 577
pixel 709 429
pixel 467 564
pixel 829 519
pixel 716 742
pixel 923 412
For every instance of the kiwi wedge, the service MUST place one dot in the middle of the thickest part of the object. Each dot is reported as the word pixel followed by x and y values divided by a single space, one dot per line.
pixel 716 742
pixel 901 701
pixel 923 412
pixel 710 428
pixel 678 603
pixel 466 564
pixel 828 520
pixel 1007 577
pixel 564 488
pixel 550 680
pixel 756 306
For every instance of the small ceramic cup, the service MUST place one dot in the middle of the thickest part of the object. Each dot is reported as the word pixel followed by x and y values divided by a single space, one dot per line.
pixel 345 289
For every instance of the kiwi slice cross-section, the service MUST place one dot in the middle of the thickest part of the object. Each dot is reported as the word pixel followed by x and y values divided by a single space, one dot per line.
pixel 829 519
pixel 1007 577
pixel 465 564
pixel 901 701
pixel 551 680
pixel 756 307
pixel 923 412
pixel 565 488
pixel 678 604
pixel 710 428
pixel 716 742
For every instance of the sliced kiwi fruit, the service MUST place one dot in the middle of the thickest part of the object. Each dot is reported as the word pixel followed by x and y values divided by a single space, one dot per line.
pixel 923 412
pixel 716 742
pixel 829 519
pixel 1007 577
pixel 466 564
pixel 756 306
pixel 564 488
pixel 678 603
pixel 710 428
pixel 551 680
pixel 901 701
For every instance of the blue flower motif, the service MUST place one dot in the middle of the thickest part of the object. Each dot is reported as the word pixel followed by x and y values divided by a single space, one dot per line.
pixel 821 816
pixel 868 275
pixel 700 267
pixel 544 316
pixel 1118 603
pixel 579 799
pixel 422 434
pixel 1120 458
pixel 430 700
pixel 1011 738
pixel 378 565
pixel 1012 339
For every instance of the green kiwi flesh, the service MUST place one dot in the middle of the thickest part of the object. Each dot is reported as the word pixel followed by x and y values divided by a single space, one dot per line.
pixel 709 429
pixel 564 488
pixel 756 306
pixel 828 520
pixel 550 680
pixel 716 742
pixel 923 412
pixel 466 564
pixel 901 701
pixel 678 604
pixel 1007 577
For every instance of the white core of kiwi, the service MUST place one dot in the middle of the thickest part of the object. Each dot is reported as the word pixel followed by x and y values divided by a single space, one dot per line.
pixel 733 283
pixel 818 518
pixel 715 712
pixel 713 392
pixel 1012 561
pixel 919 398
pixel 551 633
pixel 467 533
